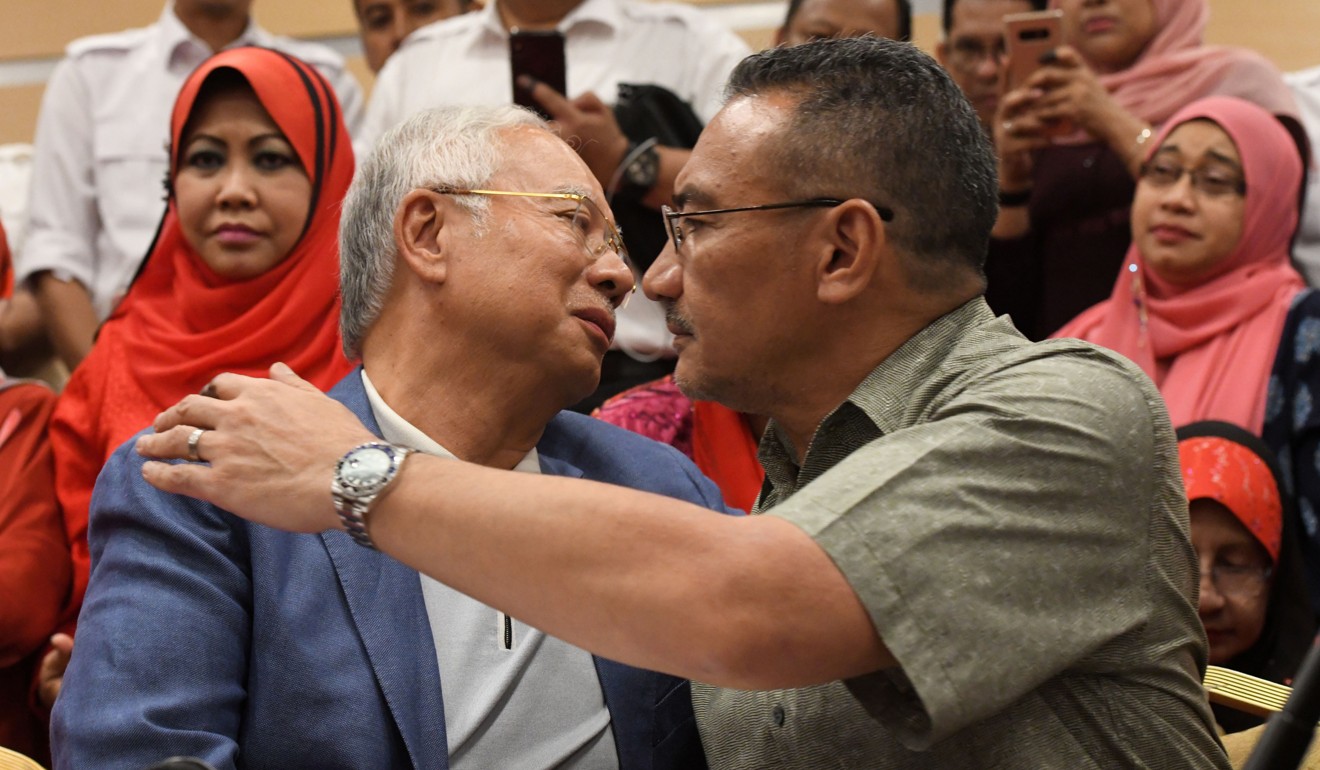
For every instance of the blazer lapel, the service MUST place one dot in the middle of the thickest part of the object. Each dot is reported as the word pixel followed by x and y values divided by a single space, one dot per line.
pixel 385 601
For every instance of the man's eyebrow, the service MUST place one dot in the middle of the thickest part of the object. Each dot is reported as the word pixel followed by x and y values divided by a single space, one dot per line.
pixel 573 189
pixel 690 195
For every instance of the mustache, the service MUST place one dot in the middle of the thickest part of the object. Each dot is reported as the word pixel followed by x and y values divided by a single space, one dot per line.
pixel 675 319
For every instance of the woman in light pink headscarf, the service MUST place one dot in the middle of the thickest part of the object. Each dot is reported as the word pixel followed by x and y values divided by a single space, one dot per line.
pixel 1207 302
pixel 1201 301
pixel 1072 138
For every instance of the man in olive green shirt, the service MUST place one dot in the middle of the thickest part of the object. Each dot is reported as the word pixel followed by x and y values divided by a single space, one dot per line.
pixel 975 548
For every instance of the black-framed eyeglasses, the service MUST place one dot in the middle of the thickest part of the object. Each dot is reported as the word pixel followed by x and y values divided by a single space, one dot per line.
pixel 586 220
pixel 1208 181
pixel 678 235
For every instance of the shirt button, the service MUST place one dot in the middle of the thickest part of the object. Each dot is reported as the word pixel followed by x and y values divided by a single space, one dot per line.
pixel 778 715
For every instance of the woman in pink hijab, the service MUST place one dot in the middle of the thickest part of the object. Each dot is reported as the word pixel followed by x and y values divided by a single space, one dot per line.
pixel 1208 303
pixel 1072 138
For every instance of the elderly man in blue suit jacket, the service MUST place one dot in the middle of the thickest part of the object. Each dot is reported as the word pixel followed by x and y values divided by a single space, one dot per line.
pixel 480 275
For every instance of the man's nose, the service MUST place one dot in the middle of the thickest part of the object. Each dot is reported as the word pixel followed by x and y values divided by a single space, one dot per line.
pixel 663 280
pixel 614 277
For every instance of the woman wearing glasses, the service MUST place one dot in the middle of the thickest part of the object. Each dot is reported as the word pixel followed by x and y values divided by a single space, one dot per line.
pixel 1253 600
pixel 243 273
pixel 1072 137
pixel 1208 302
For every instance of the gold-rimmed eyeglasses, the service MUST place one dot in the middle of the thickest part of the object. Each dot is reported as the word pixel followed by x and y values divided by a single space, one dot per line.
pixel 592 228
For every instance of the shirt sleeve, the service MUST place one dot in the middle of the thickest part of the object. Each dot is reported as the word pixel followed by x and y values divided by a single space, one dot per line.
pixel 997 544
pixel 63 219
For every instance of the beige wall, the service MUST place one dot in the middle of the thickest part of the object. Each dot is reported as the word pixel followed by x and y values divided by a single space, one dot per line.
pixel 39 29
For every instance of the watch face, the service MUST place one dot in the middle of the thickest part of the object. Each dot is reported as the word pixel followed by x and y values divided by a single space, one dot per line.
pixel 644 169
pixel 365 468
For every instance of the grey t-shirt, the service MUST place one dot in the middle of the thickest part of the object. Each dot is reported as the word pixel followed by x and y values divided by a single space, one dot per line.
pixel 1011 514
pixel 514 697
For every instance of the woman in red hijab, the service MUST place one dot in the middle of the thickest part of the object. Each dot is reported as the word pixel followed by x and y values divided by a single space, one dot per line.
pixel 243 273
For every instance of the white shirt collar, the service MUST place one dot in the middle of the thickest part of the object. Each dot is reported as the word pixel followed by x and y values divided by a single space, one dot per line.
pixel 604 12
pixel 396 430
pixel 177 40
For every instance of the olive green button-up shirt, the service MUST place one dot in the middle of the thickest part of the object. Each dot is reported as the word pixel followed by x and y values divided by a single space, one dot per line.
pixel 1011 514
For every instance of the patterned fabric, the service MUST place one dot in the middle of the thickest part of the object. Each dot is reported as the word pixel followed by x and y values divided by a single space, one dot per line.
pixel 1012 517
pixel 1222 470
pixel 1292 425
pixel 657 410
pixel 718 439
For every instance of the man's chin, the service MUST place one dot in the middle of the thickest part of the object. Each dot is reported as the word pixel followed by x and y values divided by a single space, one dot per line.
pixel 692 384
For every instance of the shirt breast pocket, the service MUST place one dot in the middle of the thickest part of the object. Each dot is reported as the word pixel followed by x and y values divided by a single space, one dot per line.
pixel 131 164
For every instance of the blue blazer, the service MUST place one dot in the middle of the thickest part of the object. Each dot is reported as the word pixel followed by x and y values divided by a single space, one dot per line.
pixel 204 635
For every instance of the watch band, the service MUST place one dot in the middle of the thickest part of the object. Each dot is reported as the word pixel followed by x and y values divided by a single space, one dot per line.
pixel 353 499
pixel 637 172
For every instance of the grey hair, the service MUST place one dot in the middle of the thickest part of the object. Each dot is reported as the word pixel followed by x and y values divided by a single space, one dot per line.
pixel 446 147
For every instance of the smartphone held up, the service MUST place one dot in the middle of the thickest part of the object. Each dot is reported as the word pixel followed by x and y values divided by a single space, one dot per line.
pixel 1030 41
pixel 539 55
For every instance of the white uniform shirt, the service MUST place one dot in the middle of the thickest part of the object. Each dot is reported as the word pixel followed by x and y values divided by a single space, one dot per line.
pixel 514 697
pixel 15 181
pixel 100 160
pixel 1306 250
pixel 465 61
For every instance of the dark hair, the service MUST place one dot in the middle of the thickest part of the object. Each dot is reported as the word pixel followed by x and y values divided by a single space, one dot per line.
pixel 904 17
pixel 946 18
pixel 880 120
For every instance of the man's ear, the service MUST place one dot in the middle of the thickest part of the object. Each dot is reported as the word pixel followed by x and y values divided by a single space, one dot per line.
pixel 858 248
pixel 942 53
pixel 419 234
pixel 781 35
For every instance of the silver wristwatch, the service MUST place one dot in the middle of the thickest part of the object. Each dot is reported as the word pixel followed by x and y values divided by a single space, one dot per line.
pixel 361 475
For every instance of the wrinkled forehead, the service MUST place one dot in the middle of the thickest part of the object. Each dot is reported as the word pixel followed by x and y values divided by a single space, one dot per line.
pixel 535 160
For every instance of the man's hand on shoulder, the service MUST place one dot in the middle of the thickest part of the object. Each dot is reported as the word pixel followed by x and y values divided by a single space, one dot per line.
pixel 266 452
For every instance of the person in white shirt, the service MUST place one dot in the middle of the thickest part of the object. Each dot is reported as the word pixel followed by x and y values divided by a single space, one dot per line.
pixel 465 61
pixel 100 155
pixel 384 24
